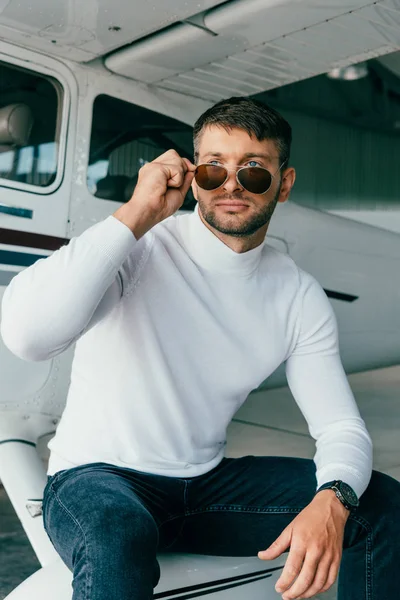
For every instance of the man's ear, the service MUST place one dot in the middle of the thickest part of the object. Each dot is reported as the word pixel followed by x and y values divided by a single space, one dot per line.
pixel 195 190
pixel 288 179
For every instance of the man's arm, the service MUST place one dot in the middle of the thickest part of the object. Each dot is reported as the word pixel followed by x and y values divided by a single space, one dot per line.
pixel 320 387
pixel 344 450
pixel 47 307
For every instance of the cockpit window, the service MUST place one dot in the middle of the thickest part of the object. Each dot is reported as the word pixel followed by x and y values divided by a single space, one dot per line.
pixel 124 138
pixel 29 108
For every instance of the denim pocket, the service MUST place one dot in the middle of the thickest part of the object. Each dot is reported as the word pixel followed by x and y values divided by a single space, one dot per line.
pixel 60 476
pixel 53 479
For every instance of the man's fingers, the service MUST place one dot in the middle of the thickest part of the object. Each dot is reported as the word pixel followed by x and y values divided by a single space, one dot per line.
pixel 175 169
pixel 187 182
pixel 280 545
pixel 177 173
pixel 168 156
pixel 190 165
pixel 291 570
pixel 320 579
pixel 306 578
pixel 333 573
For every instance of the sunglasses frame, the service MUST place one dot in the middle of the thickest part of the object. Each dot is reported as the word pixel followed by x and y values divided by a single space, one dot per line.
pixel 239 168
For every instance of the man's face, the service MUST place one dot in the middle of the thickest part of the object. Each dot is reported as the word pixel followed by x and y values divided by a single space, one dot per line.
pixel 231 209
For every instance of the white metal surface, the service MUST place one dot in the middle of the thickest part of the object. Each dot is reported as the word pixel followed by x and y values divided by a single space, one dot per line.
pixel 53 214
pixel 23 476
pixel 50 209
pixel 219 578
pixel 261 45
pixel 356 259
pixel 81 31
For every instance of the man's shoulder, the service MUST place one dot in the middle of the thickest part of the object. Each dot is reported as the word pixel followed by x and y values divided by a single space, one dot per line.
pixel 279 262
pixel 284 267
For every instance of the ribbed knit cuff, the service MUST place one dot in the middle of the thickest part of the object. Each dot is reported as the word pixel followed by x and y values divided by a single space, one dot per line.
pixel 358 481
pixel 112 238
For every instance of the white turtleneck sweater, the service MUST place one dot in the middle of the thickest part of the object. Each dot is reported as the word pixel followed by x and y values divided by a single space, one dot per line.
pixel 172 332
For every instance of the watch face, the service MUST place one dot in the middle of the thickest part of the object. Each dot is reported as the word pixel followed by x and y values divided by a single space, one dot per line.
pixel 348 494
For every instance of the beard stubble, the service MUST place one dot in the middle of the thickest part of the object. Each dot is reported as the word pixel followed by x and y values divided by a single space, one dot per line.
pixel 234 226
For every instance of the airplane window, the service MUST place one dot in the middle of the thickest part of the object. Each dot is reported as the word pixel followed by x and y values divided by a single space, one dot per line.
pixel 29 105
pixel 125 137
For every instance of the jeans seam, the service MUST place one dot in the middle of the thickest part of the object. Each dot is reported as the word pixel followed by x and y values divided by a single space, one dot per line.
pixel 168 519
pixel 369 554
pixel 287 509
pixel 68 512
pixel 179 532
pixel 178 516
pixel 245 509
pixel 185 499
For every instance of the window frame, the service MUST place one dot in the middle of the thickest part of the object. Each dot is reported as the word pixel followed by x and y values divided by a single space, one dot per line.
pixel 61 125
pixel 113 95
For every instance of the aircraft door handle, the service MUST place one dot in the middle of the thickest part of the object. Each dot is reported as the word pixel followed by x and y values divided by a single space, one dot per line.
pixel 16 211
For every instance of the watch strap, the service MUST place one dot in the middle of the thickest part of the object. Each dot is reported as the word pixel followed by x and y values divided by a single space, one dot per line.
pixel 335 486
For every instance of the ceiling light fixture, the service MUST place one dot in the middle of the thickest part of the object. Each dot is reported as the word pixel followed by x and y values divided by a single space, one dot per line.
pixel 350 73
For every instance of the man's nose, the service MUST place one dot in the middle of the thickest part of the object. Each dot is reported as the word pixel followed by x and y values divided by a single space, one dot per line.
pixel 231 184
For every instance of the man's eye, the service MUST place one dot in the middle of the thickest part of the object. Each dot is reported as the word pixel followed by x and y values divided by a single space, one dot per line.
pixel 253 163
pixel 214 162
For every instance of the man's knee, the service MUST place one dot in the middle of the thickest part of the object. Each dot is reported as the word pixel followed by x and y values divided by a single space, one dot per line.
pixel 130 527
pixel 104 520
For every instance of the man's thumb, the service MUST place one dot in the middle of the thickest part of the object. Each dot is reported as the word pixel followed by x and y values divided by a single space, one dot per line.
pixel 277 548
pixel 187 182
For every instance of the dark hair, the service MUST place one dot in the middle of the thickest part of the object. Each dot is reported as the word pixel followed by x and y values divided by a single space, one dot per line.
pixel 255 117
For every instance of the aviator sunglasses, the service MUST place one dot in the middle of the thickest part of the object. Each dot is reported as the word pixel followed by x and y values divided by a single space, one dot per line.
pixel 256 180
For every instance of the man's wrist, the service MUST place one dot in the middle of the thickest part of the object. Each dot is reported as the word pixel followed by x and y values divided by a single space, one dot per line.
pixel 139 224
pixel 328 499
pixel 343 492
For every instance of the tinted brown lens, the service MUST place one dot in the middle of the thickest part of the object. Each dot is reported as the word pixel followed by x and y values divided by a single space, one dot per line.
pixel 210 177
pixel 255 179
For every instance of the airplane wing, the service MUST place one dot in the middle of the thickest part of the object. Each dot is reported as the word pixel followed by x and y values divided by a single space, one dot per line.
pixel 207 48
pixel 244 47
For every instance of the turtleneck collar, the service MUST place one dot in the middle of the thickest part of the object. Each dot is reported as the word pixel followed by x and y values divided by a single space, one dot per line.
pixel 210 253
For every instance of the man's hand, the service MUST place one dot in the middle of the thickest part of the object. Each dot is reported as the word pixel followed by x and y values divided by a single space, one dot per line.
pixel 160 191
pixel 315 538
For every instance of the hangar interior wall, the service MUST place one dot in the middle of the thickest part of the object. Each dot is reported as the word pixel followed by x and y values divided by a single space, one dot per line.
pixel 346 170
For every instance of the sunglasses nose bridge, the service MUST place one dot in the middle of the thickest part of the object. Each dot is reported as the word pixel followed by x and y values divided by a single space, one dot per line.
pixel 232 177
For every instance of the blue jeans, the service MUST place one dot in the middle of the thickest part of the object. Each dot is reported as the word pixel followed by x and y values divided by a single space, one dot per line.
pixel 107 523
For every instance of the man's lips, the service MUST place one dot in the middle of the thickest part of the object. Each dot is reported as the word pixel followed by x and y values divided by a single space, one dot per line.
pixel 232 203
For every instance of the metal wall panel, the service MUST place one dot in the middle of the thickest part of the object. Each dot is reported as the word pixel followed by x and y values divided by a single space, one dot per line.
pixel 344 168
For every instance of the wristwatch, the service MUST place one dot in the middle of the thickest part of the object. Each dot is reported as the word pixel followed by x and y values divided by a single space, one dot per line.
pixel 344 493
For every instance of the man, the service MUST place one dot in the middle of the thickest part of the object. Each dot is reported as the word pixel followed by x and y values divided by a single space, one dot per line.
pixel 176 320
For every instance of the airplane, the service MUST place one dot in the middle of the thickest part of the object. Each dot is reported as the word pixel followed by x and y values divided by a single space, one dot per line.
pixel 91 92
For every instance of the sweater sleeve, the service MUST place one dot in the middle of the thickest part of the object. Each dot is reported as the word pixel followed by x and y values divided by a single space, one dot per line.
pixel 319 385
pixel 52 303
